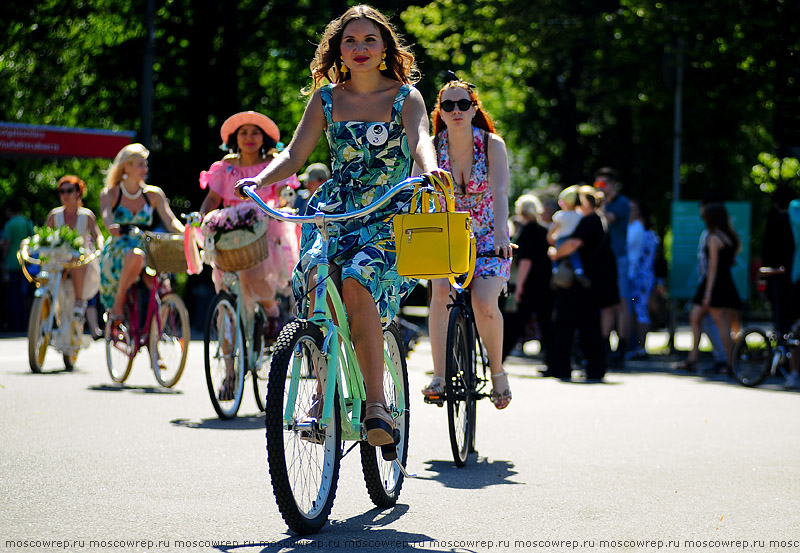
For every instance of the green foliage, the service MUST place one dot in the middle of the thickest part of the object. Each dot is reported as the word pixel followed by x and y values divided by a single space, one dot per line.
pixel 772 170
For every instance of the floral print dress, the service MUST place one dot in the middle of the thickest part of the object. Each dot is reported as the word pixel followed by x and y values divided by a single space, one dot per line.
pixel 118 247
pixel 476 197
pixel 367 158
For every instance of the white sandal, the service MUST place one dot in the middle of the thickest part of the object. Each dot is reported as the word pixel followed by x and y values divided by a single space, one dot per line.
pixel 501 399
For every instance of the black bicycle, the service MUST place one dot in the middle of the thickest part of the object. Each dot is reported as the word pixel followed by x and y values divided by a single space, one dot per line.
pixel 467 373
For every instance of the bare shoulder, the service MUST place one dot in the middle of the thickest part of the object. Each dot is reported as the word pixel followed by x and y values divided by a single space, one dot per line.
pixel 156 191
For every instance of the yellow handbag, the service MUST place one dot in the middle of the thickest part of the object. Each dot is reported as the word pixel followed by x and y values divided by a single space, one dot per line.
pixel 435 244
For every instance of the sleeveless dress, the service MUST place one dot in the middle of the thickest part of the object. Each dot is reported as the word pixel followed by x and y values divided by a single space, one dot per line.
pixel 117 248
pixel 283 248
pixel 476 197
pixel 91 282
pixel 723 292
pixel 367 159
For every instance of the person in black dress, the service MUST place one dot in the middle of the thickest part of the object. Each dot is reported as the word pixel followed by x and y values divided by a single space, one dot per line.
pixel 716 294
pixel 578 308
pixel 532 293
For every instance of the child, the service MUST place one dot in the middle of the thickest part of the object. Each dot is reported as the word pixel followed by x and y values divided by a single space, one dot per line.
pixel 564 223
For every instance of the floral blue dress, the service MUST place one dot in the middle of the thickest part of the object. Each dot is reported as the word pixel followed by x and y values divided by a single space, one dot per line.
pixel 115 249
pixel 367 159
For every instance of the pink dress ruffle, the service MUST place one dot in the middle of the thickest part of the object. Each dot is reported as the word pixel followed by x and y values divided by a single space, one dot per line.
pixel 221 178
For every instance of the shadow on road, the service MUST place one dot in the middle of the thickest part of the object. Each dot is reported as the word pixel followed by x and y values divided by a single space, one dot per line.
pixel 365 531
pixel 251 422
pixel 482 473
pixel 135 389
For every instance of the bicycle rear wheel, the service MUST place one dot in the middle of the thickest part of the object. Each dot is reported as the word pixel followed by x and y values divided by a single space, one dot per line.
pixel 38 338
pixel 752 357
pixel 169 345
pixel 224 357
pixel 303 455
pixel 383 478
pixel 460 379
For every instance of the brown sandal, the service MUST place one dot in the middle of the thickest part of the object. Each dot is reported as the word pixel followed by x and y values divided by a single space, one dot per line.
pixel 379 424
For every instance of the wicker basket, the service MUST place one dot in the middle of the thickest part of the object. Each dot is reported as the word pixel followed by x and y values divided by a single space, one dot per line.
pixel 165 252
pixel 244 257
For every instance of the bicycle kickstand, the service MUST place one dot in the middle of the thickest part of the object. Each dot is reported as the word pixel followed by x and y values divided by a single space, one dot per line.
pixel 404 471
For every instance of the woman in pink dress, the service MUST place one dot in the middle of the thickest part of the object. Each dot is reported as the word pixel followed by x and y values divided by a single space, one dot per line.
pixel 252 139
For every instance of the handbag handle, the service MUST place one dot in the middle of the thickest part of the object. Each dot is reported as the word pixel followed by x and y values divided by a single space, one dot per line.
pixel 421 200
pixel 473 254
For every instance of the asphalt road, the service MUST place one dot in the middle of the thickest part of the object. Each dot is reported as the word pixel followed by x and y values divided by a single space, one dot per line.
pixel 648 461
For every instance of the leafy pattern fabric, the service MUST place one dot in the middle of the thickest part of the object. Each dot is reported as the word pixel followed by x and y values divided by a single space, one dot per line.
pixel 367 159
pixel 115 250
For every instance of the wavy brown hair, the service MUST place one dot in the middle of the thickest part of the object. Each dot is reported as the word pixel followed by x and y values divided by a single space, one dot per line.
pixel 400 64
pixel 482 120
pixel 72 179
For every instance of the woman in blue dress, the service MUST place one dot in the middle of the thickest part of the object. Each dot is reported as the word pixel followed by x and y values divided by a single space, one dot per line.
pixel 377 127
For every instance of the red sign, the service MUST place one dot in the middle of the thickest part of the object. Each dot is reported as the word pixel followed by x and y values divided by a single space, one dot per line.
pixel 45 141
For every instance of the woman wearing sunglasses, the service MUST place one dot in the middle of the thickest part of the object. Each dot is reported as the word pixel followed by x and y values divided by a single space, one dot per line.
pixel 85 279
pixel 468 146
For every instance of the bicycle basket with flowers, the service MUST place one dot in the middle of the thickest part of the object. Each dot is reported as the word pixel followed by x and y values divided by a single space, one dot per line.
pixel 235 237
pixel 59 245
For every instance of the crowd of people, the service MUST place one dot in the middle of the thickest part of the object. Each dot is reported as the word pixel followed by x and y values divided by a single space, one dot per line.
pixel 586 256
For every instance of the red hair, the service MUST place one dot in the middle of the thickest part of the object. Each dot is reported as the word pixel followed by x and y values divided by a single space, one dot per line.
pixel 481 119
pixel 72 179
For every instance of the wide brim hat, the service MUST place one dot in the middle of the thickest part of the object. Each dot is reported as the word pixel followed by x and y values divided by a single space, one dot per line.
pixel 235 121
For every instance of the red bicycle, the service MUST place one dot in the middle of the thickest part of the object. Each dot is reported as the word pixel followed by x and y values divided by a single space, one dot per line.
pixel 153 316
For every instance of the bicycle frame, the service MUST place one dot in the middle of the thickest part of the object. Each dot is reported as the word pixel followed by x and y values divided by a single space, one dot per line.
pixel 141 333
pixel 337 346
pixel 462 297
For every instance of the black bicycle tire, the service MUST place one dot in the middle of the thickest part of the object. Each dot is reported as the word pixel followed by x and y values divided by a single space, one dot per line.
pixel 290 510
pixel 261 398
pixel 763 361
pixel 459 356
pixel 372 457
pixel 212 392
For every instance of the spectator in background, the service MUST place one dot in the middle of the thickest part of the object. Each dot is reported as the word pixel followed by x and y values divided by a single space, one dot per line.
pixel 578 308
pixel 17 228
pixel 565 221
pixel 532 293
pixel 793 378
pixel 315 175
pixel 716 294
pixel 616 211
pixel 778 250
pixel 642 248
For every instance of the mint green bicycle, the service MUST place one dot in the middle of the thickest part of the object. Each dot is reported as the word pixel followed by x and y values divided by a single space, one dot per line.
pixel 316 397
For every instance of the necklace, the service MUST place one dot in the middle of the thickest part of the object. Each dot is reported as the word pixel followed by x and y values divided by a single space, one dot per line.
pixel 128 194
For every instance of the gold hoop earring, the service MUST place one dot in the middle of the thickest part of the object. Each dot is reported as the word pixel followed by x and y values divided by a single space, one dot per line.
pixel 344 69
pixel 382 66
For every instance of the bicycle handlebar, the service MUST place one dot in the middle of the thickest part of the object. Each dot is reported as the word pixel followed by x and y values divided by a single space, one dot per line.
pixel 321 216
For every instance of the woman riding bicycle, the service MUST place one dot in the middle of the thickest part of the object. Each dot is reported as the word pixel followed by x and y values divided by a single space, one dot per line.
pixel 85 279
pixel 469 147
pixel 128 200
pixel 375 122
pixel 252 138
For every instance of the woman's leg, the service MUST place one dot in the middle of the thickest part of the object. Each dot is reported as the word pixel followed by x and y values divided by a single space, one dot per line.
pixel 489 319
pixel 695 316
pixel 366 334
pixel 437 323
pixel 78 275
pixel 720 318
pixel 132 265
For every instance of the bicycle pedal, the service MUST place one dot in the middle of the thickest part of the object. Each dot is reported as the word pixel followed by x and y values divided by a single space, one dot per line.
pixel 434 400
pixel 389 452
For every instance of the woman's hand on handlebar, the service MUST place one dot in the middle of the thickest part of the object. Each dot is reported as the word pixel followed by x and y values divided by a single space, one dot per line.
pixel 115 230
pixel 237 189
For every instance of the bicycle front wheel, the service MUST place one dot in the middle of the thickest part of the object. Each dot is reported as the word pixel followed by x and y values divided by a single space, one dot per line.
pixel 119 349
pixel 262 356
pixel 460 379
pixel 224 357
pixel 383 478
pixel 303 454
pixel 752 357
pixel 38 337
pixel 169 344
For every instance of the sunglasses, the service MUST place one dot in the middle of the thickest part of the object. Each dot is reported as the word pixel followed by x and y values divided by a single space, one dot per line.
pixel 67 190
pixel 449 105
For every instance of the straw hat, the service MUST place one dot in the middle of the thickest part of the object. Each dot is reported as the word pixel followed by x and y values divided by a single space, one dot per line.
pixel 235 121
